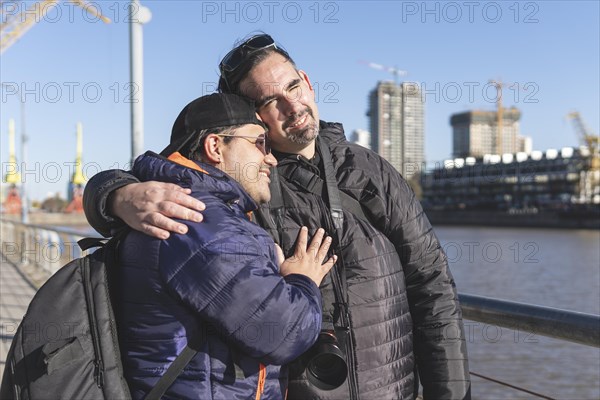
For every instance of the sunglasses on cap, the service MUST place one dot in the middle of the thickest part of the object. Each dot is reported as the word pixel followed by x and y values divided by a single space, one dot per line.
pixel 261 141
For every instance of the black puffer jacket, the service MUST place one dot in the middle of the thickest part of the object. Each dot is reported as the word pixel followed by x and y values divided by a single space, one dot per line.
pixel 403 305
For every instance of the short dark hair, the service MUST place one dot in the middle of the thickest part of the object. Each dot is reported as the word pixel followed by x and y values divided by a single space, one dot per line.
pixel 231 83
pixel 196 149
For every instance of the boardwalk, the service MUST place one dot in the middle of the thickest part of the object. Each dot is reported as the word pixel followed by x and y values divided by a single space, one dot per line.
pixel 15 294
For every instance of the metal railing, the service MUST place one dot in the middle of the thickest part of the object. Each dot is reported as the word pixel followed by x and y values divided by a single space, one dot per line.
pixel 573 326
pixel 42 250
pixel 560 324
pixel 47 249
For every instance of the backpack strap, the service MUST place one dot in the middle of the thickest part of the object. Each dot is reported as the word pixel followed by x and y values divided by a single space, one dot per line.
pixel 181 361
pixel 184 358
pixel 172 373
pixel 89 242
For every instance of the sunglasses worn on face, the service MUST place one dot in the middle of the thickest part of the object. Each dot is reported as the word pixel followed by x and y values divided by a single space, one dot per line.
pixel 262 141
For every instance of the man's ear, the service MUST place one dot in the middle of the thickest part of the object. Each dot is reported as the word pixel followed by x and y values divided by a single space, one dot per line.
pixel 212 149
pixel 305 77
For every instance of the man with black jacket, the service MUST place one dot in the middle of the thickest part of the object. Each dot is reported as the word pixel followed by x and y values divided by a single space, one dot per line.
pixel 391 303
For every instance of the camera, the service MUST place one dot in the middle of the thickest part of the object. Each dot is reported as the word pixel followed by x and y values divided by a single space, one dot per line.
pixel 326 366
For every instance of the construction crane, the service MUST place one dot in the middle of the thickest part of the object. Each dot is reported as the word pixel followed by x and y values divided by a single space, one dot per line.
pixel 392 70
pixel 499 85
pixel 586 138
pixel 12 175
pixel 12 204
pixel 17 24
pixel 77 179
pixel 500 114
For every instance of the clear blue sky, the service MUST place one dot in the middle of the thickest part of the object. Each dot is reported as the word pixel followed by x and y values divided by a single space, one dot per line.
pixel 76 69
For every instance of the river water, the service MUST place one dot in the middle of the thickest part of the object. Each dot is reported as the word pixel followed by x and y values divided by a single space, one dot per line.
pixel 555 268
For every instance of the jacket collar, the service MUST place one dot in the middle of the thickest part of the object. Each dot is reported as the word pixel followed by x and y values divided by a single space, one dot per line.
pixel 332 131
pixel 198 176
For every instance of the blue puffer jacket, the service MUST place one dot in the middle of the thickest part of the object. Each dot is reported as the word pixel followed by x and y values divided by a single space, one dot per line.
pixel 220 285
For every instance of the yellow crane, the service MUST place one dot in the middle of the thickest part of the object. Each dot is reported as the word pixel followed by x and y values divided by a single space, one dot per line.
pixel 500 115
pixel 78 179
pixel 499 85
pixel 12 202
pixel 17 24
pixel 586 138
pixel 12 175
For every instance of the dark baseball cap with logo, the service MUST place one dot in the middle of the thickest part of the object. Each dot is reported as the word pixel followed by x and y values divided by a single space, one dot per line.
pixel 217 110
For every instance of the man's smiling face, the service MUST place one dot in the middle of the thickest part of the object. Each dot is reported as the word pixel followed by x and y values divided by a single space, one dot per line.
pixel 285 101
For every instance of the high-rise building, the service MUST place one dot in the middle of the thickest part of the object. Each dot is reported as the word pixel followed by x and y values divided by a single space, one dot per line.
pixel 525 144
pixel 361 137
pixel 398 125
pixel 475 133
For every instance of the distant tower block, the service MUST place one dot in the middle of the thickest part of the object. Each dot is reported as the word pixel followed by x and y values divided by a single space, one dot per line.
pixel 397 125
pixel 78 179
pixel 12 202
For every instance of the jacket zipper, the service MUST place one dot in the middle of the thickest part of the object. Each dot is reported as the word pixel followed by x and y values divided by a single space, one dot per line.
pixel 94 332
pixel 262 376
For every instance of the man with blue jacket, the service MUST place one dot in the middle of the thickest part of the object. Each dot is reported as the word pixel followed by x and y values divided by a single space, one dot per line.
pixel 220 289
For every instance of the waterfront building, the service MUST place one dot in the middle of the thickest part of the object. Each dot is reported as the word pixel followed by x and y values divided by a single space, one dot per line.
pixel 475 133
pixel 553 180
pixel 397 125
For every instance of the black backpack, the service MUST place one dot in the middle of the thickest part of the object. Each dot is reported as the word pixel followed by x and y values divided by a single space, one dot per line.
pixel 67 347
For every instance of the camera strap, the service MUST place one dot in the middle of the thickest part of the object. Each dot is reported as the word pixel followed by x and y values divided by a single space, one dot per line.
pixel 337 215
pixel 338 272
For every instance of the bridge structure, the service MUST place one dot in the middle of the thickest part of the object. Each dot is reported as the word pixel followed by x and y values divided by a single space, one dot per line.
pixel 31 253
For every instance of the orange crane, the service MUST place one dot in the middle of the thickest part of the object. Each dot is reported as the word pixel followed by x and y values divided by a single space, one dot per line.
pixel 16 25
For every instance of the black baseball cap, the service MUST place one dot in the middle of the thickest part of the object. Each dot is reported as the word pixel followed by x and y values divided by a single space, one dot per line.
pixel 217 110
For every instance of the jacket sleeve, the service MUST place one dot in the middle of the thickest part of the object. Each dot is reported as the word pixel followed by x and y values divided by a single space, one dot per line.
pixel 234 285
pixel 438 334
pixel 95 196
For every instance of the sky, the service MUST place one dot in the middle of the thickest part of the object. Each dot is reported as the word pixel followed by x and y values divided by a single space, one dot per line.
pixel 71 67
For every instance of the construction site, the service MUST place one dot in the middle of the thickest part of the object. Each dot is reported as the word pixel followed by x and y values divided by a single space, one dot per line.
pixel 555 188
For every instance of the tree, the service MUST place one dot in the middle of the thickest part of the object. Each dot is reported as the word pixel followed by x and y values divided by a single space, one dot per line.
pixel 415 184
pixel 54 204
